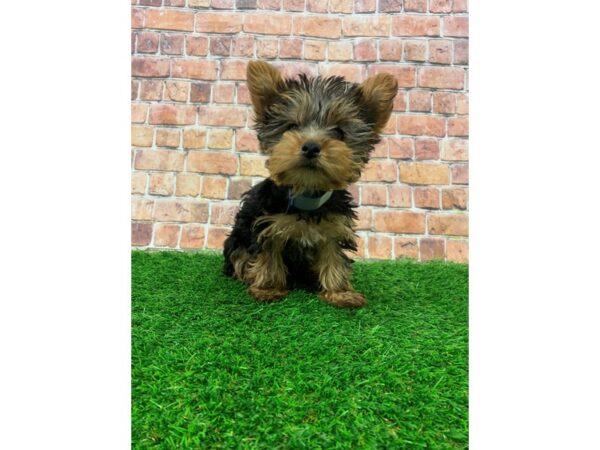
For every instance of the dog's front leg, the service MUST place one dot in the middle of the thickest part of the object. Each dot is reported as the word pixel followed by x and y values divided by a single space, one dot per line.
pixel 334 276
pixel 267 274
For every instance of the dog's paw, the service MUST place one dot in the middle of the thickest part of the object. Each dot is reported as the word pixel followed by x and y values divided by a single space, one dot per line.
pixel 267 295
pixel 344 299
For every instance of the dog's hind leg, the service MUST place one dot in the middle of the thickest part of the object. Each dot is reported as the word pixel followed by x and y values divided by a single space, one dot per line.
pixel 266 274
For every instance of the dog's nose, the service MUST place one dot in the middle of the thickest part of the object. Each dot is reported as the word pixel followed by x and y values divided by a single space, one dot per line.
pixel 311 150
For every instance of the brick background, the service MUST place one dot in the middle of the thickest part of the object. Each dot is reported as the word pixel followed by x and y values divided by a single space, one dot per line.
pixel 194 152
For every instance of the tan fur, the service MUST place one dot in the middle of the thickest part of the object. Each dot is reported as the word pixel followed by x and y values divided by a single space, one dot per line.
pixel 334 274
pixel 344 299
pixel 267 270
pixel 335 167
pixel 378 96
pixel 264 83
pixel 239 259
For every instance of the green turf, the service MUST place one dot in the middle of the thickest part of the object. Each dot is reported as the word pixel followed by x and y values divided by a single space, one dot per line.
pixel 211 368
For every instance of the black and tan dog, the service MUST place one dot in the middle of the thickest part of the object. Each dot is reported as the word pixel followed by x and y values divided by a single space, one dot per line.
pixel 293 227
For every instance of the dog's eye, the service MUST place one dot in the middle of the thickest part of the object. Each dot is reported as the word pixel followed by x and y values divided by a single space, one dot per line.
pixel 338 133
pixel 292 126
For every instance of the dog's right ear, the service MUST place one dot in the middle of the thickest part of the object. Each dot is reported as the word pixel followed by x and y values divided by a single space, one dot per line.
pixel 265 84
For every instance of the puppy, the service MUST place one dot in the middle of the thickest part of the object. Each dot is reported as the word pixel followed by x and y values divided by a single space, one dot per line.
pixel 293 228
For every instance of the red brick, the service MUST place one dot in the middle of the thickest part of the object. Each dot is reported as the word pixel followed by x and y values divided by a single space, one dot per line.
pixel 380 246
pixel 462 103
pixel 246 141
pixel 442 77
pixel 267 48
pixel 291 69
pixel 166 235
pixel 135 88
pixel 211 22
pixel 315 50
pixel 246 4
pixel 415 5
pixel 316 6
pixel 200 92
pixel 194 138
pixel 390 127
pixel 440 51
pixel 232 69
pixel 149 67
pixel 414 51
pixel 460 173
pixel 216 237
pixel 414 25
pixel 151 90
pixel 461 51
pixel 374 194
pixel 138 182
pixel 261 23
pixel 341 6
pixel 269 4
pixel 422 173
pixel 243 95
pixel 320 26
pixel 380 170
pixel 141 233
pixel 214 187
pixel 455 198
pixel 198 3
pixel 223 93
pixel 174 2
pixel 351 72
pixel 405 75
pixel 253 165
pixel 222 4
pixel 147 42
pixel 444 102
pixel 456 26
pixel 196 45
pixel 339 51
pixel 290 48
pixel 159 160
pixel 217 163
pixel 172 114
pixel 401 148
pixel 440 6
pixel 177 91
pixel 141 136
pixel 150 2
pixel 222 116
pixel 458 251
pixel 419 101
pixel 427 149
pixel 363 6
pixel 458 126
pixel 171 44
pixel 422 125
pixel 390 49
pixel 381 149
pixel 242 46
pixel 455 150
pixel 220 138
pixel 399 222
pixel 365 50
pixel 180 211
pixel 400 102
pixel 406 248
pixel 427 198
pixel 192 236
pixel 223 213
pixel 448 224
pixel 193 69
pixel 238 186
pixel 431 248
pixel 360 245
pixel 459 6
pixel 293 5
pixel 390 6
pixel 220 45
pixel 353 190
pixel 141 209
pixel 367 25
pixel 364 218
pixel 168 19
pixel 400 196
pixel 167 137
pixel 137 18
pixel 188 185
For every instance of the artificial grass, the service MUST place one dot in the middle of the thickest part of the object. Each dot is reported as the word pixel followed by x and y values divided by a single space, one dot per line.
pixel 211 368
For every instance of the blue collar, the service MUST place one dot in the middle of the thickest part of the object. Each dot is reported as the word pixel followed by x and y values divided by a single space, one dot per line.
pixel 307 202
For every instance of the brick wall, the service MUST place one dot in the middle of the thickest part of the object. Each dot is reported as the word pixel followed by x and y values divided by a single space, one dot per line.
pixel 194 151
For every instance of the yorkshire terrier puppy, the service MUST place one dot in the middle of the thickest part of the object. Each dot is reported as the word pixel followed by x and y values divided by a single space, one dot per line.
pixel 292 228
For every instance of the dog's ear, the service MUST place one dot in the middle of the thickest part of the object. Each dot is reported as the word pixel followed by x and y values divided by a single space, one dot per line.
pixel 265 84
pixel 377 96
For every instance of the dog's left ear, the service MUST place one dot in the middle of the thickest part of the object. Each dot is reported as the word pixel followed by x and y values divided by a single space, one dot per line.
pixel 377 98
pixel 265 84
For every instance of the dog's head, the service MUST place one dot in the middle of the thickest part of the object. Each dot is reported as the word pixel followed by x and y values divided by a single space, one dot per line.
pixel 318 132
